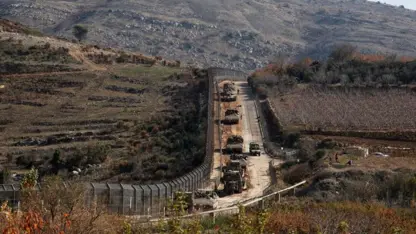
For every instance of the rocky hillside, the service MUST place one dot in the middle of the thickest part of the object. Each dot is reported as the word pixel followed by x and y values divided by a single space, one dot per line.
pixel 237 34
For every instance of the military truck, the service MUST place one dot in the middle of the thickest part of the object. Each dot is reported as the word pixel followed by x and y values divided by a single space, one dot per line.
pixel 234 145
pixel 238 157
pixel 236 165
pixel 204 199
pixel 234 182
pixel 232 116
pixel 254 148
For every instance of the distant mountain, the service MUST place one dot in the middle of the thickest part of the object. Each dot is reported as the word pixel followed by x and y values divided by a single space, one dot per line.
pixel 239 34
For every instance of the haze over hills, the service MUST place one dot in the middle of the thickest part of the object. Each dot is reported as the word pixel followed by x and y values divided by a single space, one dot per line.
pixel 238 34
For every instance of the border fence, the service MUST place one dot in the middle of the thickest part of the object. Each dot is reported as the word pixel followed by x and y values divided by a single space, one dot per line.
pixel 148 199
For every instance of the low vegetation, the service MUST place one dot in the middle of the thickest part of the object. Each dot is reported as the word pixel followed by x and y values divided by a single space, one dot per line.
pixel 97 113
pixel 58 209
pixel 151 125
pixel 348 122
pixel 345 66
pixel 22 58
pixel 347 92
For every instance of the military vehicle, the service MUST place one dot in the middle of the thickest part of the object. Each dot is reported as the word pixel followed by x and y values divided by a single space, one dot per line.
pixel 204 199
pixel 234 182
pixel 254 148
pixel 232 116
pixel 236 165
pixel 228 98
pixel 228 93
pixel 238 157
pixel 229 86
pixel 234 144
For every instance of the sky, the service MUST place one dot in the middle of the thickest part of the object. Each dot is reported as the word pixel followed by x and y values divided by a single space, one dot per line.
pixel 409 4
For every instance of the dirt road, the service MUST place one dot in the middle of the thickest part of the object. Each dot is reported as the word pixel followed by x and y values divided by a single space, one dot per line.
pixel 258 166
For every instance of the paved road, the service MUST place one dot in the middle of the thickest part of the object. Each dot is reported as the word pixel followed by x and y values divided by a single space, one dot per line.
pixel 258 166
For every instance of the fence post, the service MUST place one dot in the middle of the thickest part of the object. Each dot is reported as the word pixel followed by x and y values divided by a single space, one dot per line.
pixel 279 197
pixel 294 191
pixel 131 202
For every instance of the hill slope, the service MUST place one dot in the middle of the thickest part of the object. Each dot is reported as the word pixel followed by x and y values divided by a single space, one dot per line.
pixel 247 33
pixel 116 116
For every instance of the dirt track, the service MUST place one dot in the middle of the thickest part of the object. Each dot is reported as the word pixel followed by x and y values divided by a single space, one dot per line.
pixel 258 167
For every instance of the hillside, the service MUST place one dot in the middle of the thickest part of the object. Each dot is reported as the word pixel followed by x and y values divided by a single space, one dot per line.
pixel 113 115
pixel 237 34
pixel 349 122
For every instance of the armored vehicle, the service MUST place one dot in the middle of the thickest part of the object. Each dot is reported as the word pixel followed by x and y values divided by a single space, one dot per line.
pixel 234 182
pixel 236 165
pixel 228 93
pixel 238 157
pixel 234 144
pixel 254 148
pixel 205 199
pixel 231 116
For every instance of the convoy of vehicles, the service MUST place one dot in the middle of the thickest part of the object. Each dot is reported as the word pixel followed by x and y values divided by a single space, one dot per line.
pixel 234 173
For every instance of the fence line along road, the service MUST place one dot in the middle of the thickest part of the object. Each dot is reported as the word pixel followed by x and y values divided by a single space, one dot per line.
pixel 148 199
pixel 235 209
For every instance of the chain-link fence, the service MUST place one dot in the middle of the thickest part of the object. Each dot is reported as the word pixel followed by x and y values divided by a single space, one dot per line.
pixel 147 199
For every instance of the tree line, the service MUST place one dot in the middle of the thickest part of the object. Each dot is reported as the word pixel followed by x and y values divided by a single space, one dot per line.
pixel 344 66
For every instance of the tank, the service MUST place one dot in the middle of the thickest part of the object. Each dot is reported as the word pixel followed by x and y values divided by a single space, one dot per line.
pixel 234 144
pixel 228 93
pixel 232 116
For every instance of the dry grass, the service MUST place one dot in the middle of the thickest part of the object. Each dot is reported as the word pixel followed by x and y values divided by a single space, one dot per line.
pixel 376 163
pixel 347 109
pixel 342 217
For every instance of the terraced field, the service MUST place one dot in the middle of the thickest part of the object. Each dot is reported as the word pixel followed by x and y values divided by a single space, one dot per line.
pixel 123 123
